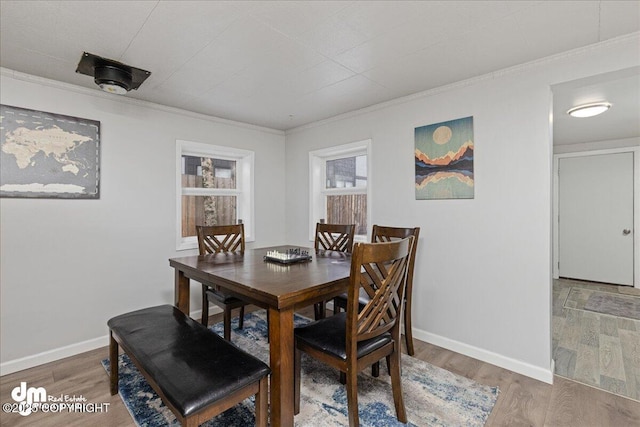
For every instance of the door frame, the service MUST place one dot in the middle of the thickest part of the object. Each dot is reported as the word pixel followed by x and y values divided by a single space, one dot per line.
pixel 636 205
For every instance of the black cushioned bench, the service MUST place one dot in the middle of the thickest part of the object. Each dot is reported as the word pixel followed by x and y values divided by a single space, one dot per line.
pixel 196 373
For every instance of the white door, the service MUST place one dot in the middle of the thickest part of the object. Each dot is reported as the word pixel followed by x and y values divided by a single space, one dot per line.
pixel 595 208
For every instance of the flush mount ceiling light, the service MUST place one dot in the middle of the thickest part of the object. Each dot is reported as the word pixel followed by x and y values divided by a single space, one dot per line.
pixel 111 76
pixel 589 110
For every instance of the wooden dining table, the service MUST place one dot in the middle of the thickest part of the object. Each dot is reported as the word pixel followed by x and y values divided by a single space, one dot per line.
pixel 280 288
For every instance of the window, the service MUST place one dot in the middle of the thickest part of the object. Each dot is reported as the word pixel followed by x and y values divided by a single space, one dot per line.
pixel 340 190
pixel 214 187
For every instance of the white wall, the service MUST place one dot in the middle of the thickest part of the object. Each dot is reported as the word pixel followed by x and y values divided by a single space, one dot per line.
pixel 67 266
pixel 483 271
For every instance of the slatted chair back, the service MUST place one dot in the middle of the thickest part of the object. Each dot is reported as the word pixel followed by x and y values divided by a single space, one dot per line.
pixel 215 239
pixel 389 234
pixel 379 269
pixel 334 237
pixel 220 238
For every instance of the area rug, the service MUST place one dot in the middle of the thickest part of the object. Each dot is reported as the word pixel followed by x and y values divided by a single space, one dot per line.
pixel 627 306
pixel 433 396
pixel 615 305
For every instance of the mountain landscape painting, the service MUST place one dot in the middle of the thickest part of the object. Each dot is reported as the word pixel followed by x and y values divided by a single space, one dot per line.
pixel 444 160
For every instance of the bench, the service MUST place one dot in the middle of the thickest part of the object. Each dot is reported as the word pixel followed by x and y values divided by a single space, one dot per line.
pixel 196 373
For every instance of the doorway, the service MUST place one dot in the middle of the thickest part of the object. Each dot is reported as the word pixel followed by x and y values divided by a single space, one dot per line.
pixel 584 144
pixel 593 341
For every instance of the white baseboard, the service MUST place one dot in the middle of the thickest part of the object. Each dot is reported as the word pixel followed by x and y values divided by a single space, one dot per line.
pixel 471 351
pixel 53 355
pixel 197 314
pixel 514 365
pixel 518 366
pixel 70 350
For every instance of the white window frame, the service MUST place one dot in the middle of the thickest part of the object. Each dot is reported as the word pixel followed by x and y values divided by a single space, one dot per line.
pixel 317 182
pixel 244 186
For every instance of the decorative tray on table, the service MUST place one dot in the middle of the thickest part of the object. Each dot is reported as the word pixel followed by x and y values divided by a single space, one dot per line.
pixel 290 256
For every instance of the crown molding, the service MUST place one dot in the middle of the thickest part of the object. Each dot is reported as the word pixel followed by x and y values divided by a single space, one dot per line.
pixel 17 75
pixel 5 72
pixel 526 66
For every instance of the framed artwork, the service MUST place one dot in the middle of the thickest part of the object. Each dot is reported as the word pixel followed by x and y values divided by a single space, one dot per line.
pixel 46 155
pixel 444 160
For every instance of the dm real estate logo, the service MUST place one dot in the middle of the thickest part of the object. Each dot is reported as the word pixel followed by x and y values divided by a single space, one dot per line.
pixel 27 400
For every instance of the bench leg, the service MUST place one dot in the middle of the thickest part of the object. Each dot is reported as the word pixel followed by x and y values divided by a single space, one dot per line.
pixel 227 323
pixel 205 307
pixel 320 311
pixel 113 363
pixel 241 318
pixel 262 412
pixel 375 369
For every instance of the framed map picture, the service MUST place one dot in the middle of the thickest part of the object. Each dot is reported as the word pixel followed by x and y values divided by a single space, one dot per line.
pixel 444 160
pixel 48 155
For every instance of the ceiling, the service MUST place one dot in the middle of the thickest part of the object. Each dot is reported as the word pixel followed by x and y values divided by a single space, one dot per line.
pixel 285 64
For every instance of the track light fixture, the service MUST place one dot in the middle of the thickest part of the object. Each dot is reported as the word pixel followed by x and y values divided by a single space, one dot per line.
pixel 111 76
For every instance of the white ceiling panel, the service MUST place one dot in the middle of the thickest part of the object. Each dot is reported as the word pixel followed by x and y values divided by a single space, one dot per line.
pixel 198 77
pixel 96 24
pixel 38 64
pixel 347 94
pixel 292 18
pixel 385 49
pixel 293 57
pixel 28 25
pixel 250 37
pixel 551 27
pixel 324 74
pixel 373 18
pixel 495 46
pixel 282 64
pixel 618 18
pixel 332 37
pixel 163 39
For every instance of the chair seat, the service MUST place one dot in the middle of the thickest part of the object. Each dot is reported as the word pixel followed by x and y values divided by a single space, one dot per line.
pixel 222 297
pixel 329 335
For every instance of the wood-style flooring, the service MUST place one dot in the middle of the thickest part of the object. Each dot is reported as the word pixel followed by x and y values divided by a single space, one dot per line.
pixel 522 401
pixel 595 349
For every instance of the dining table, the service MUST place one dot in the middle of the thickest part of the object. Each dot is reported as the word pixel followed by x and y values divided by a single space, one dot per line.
pixel 281 287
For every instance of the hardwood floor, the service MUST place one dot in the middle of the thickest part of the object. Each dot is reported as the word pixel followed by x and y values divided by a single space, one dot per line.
pixel 595 349
pixel 522 400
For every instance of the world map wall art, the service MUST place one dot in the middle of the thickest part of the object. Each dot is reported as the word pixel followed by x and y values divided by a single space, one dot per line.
pixel 48 155
pixel 444 160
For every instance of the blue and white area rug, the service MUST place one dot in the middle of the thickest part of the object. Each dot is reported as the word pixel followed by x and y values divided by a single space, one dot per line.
pixel 433 396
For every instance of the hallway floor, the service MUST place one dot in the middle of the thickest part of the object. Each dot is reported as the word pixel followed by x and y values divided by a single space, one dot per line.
pixel 596 349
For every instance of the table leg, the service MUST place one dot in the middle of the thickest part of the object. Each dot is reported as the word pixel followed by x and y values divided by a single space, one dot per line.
pixel 181 292
pixel 281 354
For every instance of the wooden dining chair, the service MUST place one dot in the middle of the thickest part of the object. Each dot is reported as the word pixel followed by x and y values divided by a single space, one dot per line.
pixel 353 340
pixel 332 237
pixel 387 234
pixel 215 239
